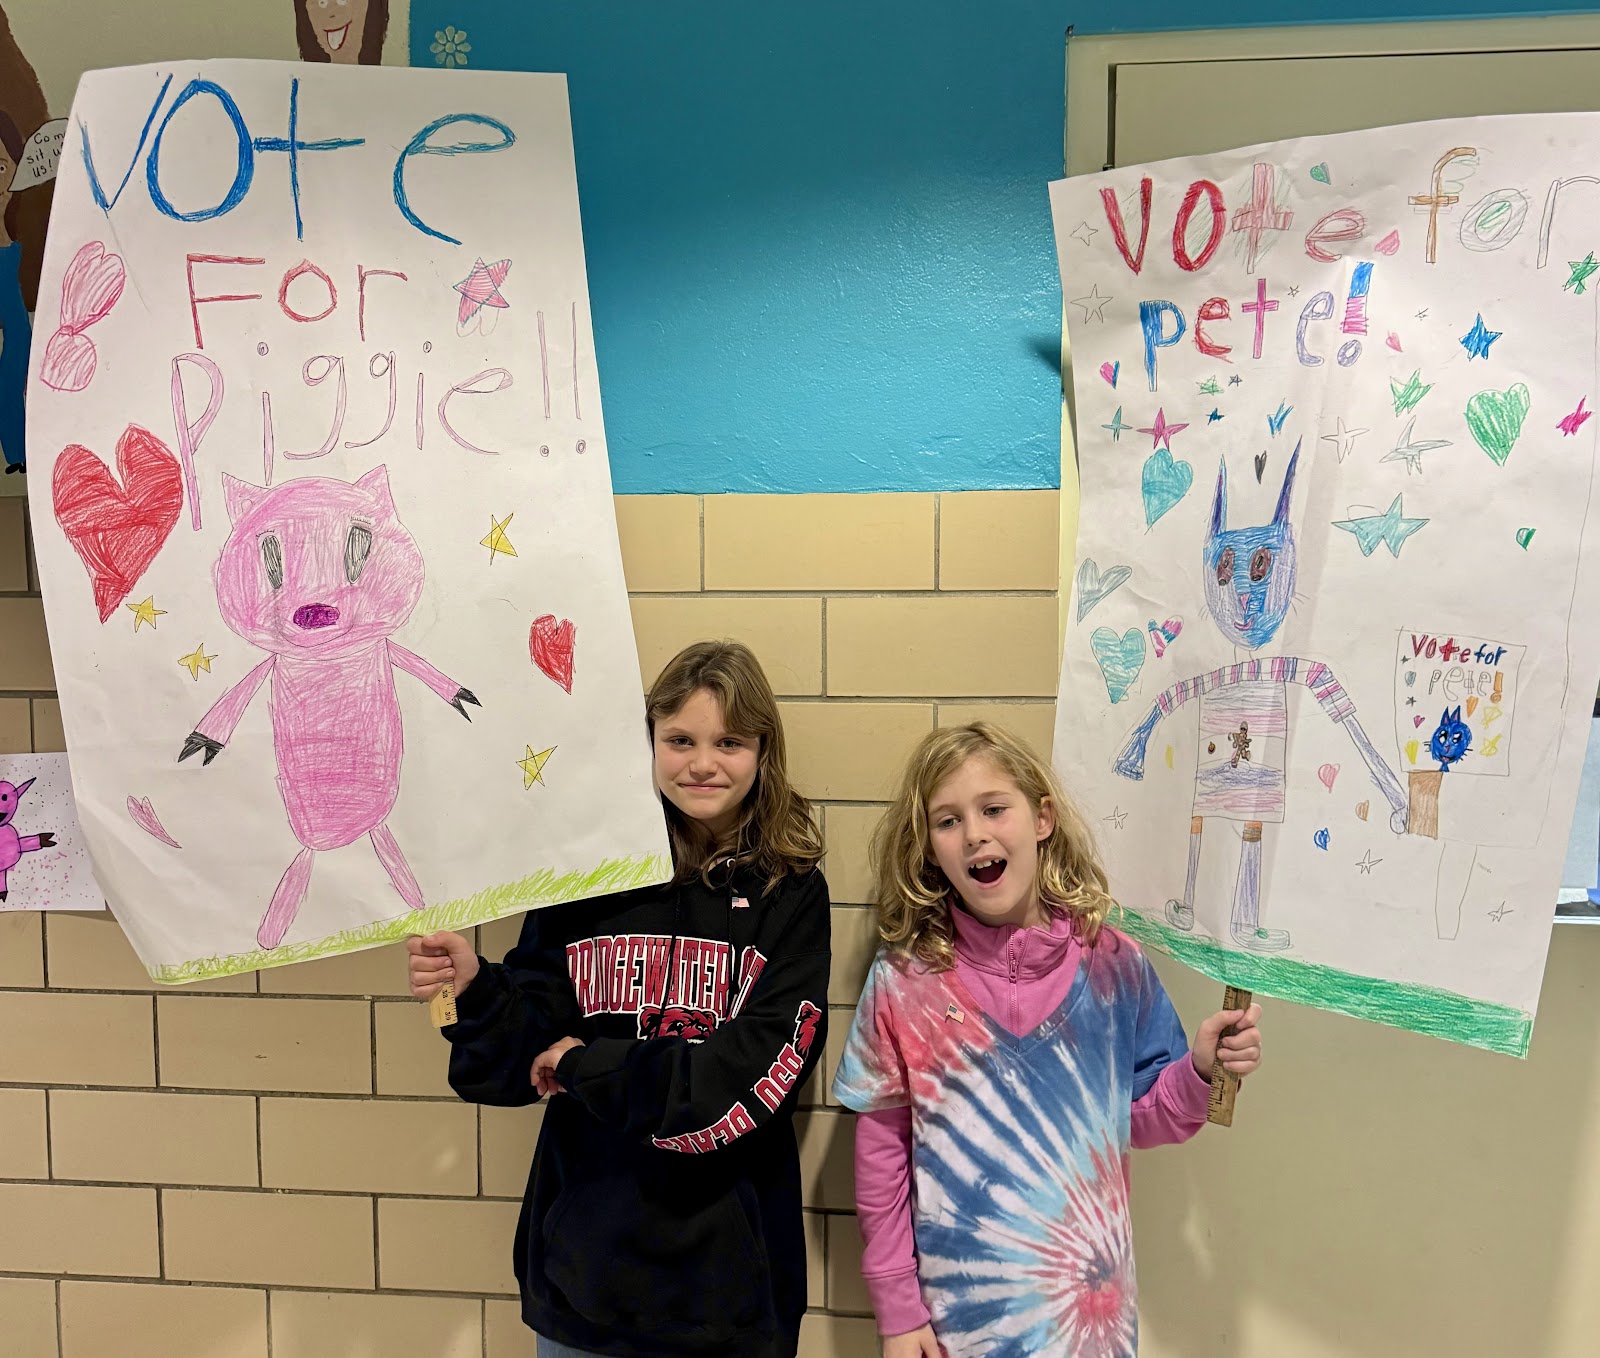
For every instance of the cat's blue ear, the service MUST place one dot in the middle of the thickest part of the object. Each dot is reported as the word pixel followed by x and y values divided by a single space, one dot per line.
pixel 1219 506
pixel 1453 716
pixel 1282 516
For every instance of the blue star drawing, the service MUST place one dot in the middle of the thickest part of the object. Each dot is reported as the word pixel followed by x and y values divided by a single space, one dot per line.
pixel 1275 421
pixel 1477 340
pixel 1214 416
pixel 1116 426
pixel 1390 528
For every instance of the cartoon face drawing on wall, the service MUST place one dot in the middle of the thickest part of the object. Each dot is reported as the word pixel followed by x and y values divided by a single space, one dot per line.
pixel 1249 572
pixel 344 32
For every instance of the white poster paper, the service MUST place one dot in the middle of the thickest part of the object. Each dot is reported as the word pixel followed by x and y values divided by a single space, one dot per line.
pixel 323 512
pixel 44 862
pixel 1329 668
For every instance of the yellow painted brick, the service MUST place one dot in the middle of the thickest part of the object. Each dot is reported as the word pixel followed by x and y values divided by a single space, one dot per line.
pixel 785 634
pixel 16 732
pixel 362 1146
pixel 13 546
pixel 341 1325
pixel 28 1316
pixel 48 735
pixel 154 1320
pixel 504 1333
pixel 412 1057
pixel 999 539
pixel 980 646
pixel 68 1228
pixel 286 1239
pixel 508 1137
pixel 305 1046
pixel 25 658
pixel 852 751
pixel 446 1246
pixel 816 1257
pixel 660 537
pixel 849 866
pixel 855 943
pixel 1033 723
pixel 89 951
pixel 846 1291
pixel 806 542
pixel 76 1039
pixel 153 1138
pixel 21 948
pixel 498 937
pixel 24 1148
pixel 837 1337
pixel 373 971
pixel 827 1147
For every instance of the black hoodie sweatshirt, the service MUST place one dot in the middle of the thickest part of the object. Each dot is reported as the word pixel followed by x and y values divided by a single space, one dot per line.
pixel 662 1215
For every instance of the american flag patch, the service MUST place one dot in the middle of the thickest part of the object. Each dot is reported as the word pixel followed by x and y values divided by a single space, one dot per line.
pixel 739 903
pixel 955 1014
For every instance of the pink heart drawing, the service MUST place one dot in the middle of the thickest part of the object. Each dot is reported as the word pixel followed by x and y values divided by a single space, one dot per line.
pixel 1110 371
pixel 1389 245
pixel 90 287
pixel 144 816
pixel 1326 774
pixel 551 645
pixel 1164 634
pixel 1416 721
pixel 1393 341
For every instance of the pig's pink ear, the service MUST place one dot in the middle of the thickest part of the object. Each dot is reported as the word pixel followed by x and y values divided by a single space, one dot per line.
pixel 24 787
pixel 240 497
pixel 376 484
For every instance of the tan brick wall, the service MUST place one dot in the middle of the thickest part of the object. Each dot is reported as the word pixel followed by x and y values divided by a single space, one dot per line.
pixel 272 1166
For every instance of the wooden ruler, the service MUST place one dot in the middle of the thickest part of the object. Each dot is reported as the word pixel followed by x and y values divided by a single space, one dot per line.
pixel 1224 1083
pixel 442 1007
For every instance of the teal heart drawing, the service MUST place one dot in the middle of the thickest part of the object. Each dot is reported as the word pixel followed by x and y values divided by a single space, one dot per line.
pixel 1495 419
pixel 1163 482
pixel 1120 658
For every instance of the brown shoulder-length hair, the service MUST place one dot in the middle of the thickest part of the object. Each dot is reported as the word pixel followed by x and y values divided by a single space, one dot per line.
pixel 373 32
pixel 11 139
pixel 776 833
pixel 913 895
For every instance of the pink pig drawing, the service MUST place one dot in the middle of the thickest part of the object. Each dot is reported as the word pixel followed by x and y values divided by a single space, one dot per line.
pixel 13 845
pixel 321 574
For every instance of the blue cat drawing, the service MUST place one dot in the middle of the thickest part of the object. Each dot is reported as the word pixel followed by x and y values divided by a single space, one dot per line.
pixel 1249 585
pixel 1452 740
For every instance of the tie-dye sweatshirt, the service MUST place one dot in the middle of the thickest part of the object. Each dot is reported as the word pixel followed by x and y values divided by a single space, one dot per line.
pixel 1000 1100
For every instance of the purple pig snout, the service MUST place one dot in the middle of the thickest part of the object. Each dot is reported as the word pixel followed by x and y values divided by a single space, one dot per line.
pixel 315 615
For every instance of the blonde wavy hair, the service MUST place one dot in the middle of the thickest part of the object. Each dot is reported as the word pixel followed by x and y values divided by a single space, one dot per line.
pixel 914 896
pixel 776 832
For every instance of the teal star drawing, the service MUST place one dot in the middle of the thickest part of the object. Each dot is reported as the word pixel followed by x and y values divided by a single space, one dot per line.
pixel 1477 340
pixel 1116 426
pixel 1390 528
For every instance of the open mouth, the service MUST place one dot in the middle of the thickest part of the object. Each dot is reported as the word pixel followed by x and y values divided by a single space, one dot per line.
pixel 987 871
pixel 335 37
pixel 310 616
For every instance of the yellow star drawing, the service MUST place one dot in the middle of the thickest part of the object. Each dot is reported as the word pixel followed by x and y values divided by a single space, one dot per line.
pixel 532 766
pixel 197 662
pixel 145 612
pixel 496 541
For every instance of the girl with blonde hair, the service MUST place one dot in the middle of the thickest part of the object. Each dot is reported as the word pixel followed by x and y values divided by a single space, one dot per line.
pixel 677 1024
pixel 1009 1048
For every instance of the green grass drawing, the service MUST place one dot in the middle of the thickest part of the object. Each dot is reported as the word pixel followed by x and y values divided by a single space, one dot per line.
pixel 545 887
pixel 1418 1008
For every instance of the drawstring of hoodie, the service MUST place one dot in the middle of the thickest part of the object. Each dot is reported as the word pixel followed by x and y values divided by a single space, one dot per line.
pixel 655 1020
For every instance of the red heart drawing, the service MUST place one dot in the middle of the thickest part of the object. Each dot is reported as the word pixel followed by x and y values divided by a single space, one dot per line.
pixel 551 644
pixel 118 529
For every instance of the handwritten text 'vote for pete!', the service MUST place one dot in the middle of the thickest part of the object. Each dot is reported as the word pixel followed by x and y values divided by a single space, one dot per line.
pixel 1489 224
pixel 213 279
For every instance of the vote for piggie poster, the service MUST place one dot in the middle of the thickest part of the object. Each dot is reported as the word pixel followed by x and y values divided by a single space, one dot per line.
pixel 1330 663
pixel 323 512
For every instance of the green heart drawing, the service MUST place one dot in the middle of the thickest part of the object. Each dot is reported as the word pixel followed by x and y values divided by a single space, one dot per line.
pixel 1120 658
pixel 1495 419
